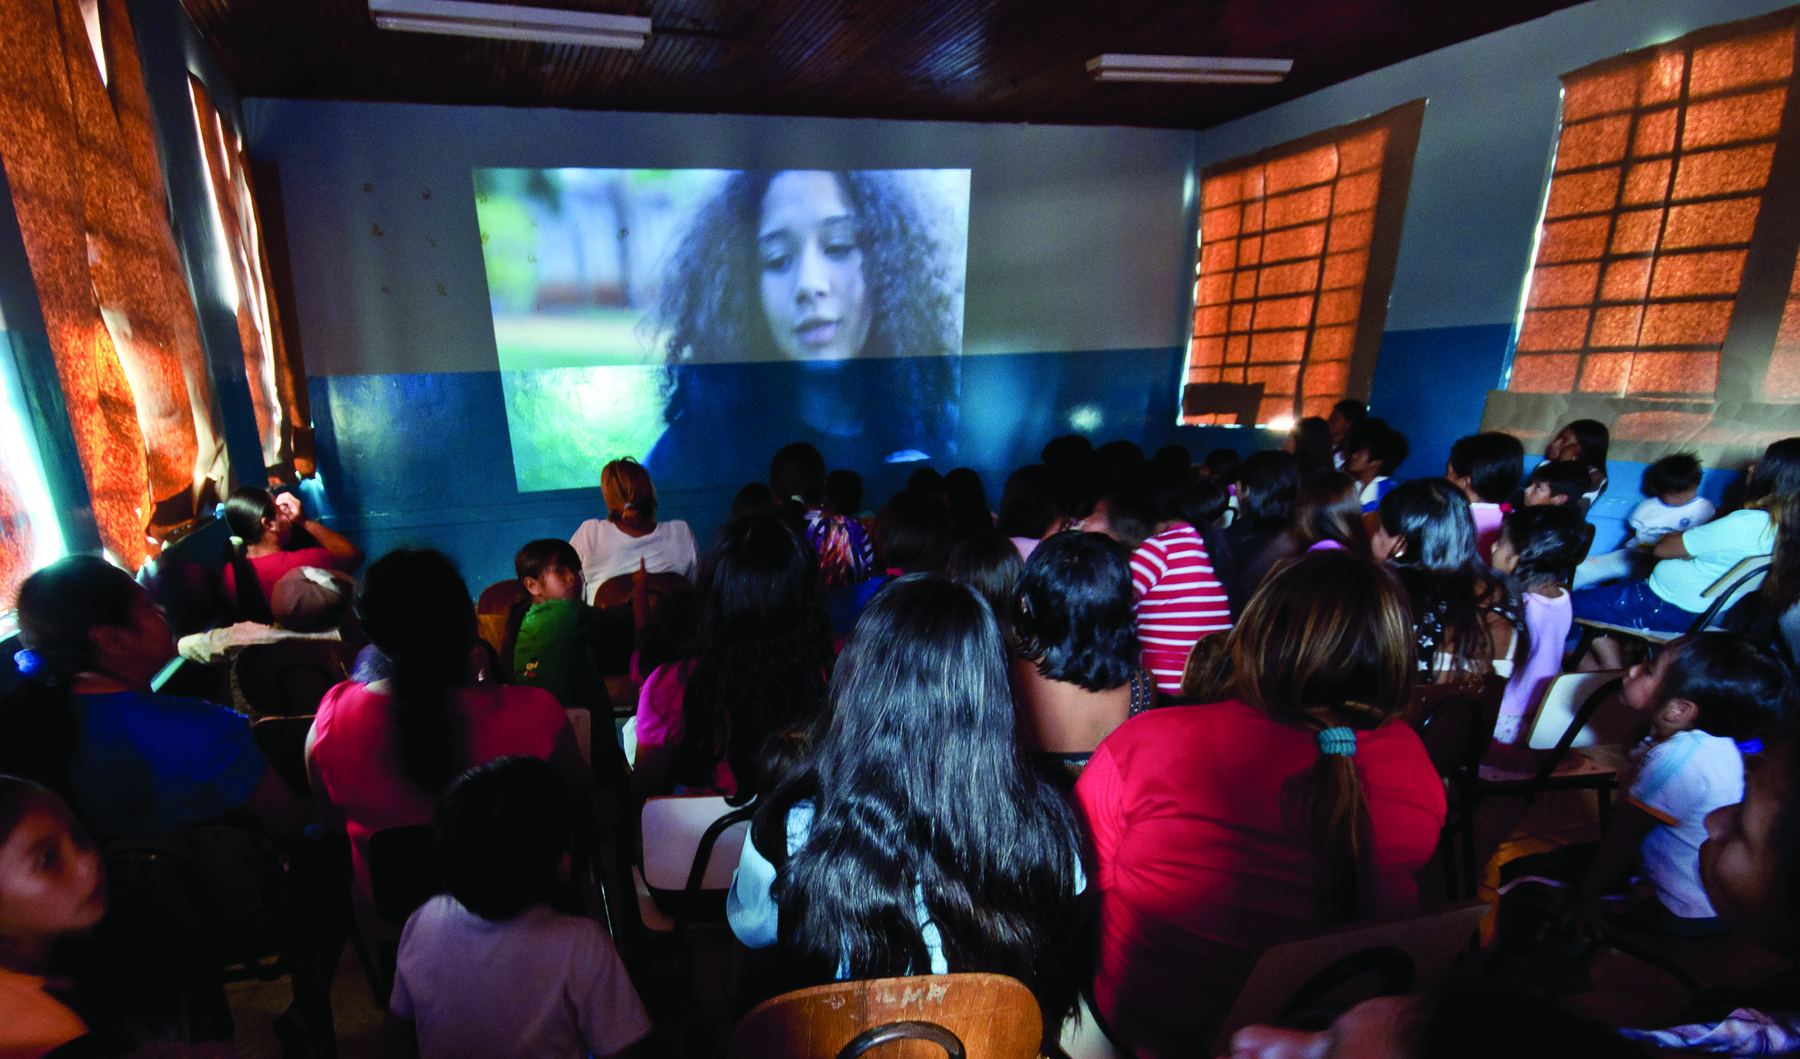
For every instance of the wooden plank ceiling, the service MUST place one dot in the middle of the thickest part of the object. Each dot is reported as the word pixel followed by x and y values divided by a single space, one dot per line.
pixel 960 60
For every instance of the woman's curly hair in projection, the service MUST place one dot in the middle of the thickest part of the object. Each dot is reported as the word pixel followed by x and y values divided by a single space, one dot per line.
pixel 711 303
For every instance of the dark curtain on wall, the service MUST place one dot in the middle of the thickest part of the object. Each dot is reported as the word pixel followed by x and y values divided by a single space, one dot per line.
pixel 80 155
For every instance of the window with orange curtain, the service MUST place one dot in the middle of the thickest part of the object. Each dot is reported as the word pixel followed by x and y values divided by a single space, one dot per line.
pixel 277 382
pixel 1663 298
pixel 81 159
pixel 1296 256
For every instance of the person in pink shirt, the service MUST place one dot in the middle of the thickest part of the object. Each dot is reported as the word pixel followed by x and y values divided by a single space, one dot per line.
pixel 270 548
pixel 1303 802
pixel 1486 468
pixel 380 754
pixel 1536 549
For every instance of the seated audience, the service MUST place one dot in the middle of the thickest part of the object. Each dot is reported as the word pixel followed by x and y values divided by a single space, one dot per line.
pixel 844 494
pixel 1463 617
pixel 1223 466
pixel 917 841
pixel 1584 441
pixel 1486 468
pixel 380 754
pixel 989 564
pixel 52 885
pixel 757 667
pixel 1461 1024
pixel 1077 673
pixel 926 480
pixel 1536 548
pixel 1671 598
pixel 1172 467
pixel 86 724
pixel 912 536
pixel 1265 494
pixel 1304 802
pixel 1556 482
pixel 1129 518
pixel 1028 508
pixel 489 968
pixel 1700 696
pixel 754 498
pixel 1180 595
pixel 1673 505
pixel 1327 516
pixel 797 479
pixel 552 645
pixel 267 549
pixel 1310 442
pixel 630 537
pixel 1344 415
pixel 969 514
pixel 1373 451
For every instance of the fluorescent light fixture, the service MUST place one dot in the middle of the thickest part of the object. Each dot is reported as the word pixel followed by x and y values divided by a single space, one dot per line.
pixel 460 18
pixel 1188 69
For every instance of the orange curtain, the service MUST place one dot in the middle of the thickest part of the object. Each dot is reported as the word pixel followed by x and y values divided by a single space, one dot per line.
pixel 277 381
pixel 80 155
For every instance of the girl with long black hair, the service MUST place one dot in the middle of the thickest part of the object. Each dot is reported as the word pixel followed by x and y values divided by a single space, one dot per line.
pixel 266 545
pixel 1464 617
pixel 917 840
pixel 756 666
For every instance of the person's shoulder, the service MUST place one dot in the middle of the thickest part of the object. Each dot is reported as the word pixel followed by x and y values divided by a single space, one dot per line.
pixel 1156 727
pixel 177 709
pixel 524 697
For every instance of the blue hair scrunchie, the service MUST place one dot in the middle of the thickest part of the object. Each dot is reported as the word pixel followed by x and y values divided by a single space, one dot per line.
pixel 27 661
pixel 1339 740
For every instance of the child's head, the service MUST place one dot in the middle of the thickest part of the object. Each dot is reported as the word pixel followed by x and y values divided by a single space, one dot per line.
pixel 1486 467
pixel 913 533
pixel 1374 448
pixel 52 881
pixel 1556 482
pixel 1750 861
pixel 1584 440
pixel 1344 415
pixel 1717 682
pixel 550 569
pixel 1327 509
pixel 1223 466
pixel 1129 518
pixel 502 831
pixel 797 473
pixel 1673 479
pixel 844 492
pixel 754 498
pixel 1539 545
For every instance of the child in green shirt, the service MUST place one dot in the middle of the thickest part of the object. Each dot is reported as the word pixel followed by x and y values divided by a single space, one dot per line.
pixel 551 649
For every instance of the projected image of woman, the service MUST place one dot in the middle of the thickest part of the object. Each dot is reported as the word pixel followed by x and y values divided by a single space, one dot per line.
pixel 834 273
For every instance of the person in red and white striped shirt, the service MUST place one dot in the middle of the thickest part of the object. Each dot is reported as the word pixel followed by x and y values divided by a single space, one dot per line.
pixel 1179 599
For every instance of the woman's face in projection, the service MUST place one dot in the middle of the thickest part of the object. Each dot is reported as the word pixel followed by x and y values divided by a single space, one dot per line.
pixel 814 293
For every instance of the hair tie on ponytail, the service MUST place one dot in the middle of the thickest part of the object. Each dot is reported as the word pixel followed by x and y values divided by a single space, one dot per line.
pixel 27 661
pixel 1339 740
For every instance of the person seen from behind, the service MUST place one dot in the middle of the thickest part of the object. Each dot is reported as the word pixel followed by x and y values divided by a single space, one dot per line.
pixel 797 478
pixel 1486 468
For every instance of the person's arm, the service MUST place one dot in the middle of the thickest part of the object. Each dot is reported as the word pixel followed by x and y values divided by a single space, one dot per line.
pixel 650 772
pixel 1618 848
pixel 399 1038
pixel 344 555
pixel 275 807
pixel 1671 546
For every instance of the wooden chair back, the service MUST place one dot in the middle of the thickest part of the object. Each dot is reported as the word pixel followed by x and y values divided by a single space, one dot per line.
pixel 289 678
pixel 616 591
pixel 282 741
pixel 1385 958
pixel 990 1016
pixel 492 608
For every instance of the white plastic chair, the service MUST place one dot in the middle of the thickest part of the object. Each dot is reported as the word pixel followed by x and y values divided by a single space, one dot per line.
pixel 675 833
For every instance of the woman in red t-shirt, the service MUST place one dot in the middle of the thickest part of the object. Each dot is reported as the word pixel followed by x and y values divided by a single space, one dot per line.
pixel 1302 803
pixel 266 529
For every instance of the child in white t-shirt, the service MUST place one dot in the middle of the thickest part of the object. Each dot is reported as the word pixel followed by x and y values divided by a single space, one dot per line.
pixel 1674 506
pixel 490 969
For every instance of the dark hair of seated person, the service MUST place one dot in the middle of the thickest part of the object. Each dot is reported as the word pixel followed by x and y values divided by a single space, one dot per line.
pixel 538 557
pixel 1224 465
pixel 1132 516
pixel 416 608
pixel 1741 688
pixel 989 564
pixel 797 472
pixel 753 498
pixel 1326 508
pixel 1444 575
pixel 969 514
pixel 1074 615
pixel 1065 450
pixel 923 800
pixel 1675 473
pixel 1028 503
pixel 1566 478
pixel 502 829
pixel 761 651
pixel 912 533
pixel 58 607
pixel 1266 491
pixel 844 491
pixel 1493 462
pixel 1310 442
pixel 927 480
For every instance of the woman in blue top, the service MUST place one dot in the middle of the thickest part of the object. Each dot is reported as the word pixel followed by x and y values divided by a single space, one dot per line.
pixel 916 839
pixel 1673 598
pixel 86 724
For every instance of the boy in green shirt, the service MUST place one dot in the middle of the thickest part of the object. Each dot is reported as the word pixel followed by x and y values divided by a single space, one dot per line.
pixel 551 649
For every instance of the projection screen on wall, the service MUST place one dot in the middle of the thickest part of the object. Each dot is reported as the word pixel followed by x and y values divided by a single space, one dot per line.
pixel 660 313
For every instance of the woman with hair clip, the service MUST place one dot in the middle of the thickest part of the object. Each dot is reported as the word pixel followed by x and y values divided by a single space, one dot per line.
pixel 917 840
pixel 630 537
pixel 263 544
pixel 757 667
pixel 1078 672
pixel 1673 597
pixel 381 753
pixel 1302 802
pixel 837 274
pixel 1464 617
pixel 86 724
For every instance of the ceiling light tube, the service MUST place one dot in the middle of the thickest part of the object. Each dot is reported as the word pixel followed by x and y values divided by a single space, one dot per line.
pixel 1188 69
pixel 462 18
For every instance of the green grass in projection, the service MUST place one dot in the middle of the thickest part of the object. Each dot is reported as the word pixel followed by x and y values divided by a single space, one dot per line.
pixel 566 423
